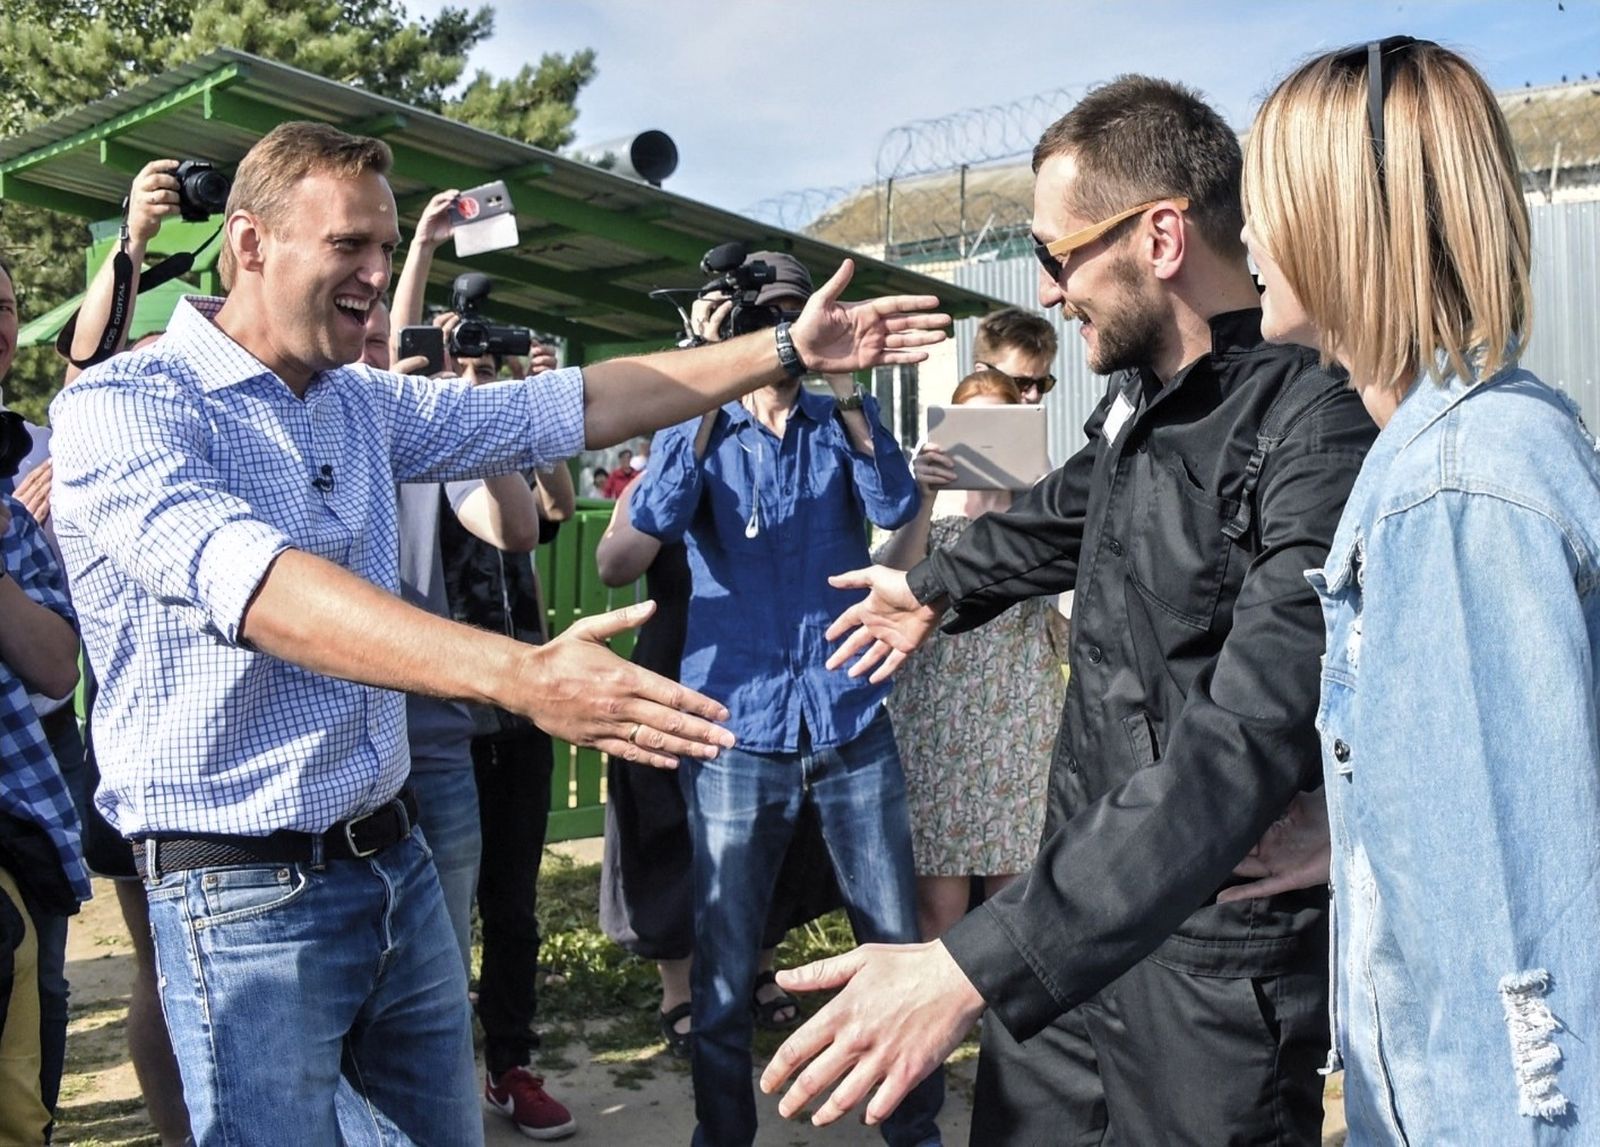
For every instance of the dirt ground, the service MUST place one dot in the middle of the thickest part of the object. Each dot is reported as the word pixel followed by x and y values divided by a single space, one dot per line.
pixel 642 1105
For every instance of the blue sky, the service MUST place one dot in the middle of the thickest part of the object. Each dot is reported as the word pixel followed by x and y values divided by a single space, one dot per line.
pixel 765 98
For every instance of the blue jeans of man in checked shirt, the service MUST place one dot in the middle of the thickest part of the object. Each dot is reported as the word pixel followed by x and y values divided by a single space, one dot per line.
pixel 382 1027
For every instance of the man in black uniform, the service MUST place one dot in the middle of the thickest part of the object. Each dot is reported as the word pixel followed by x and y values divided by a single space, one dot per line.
pixel 1214 474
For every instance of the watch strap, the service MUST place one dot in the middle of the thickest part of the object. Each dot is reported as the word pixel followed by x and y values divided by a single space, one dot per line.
pixel 788 357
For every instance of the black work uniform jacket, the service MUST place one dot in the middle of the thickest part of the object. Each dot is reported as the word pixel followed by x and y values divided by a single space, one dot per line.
pixel 1188 724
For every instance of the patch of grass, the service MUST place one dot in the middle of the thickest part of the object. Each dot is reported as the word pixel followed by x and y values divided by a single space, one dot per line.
pixel 596 991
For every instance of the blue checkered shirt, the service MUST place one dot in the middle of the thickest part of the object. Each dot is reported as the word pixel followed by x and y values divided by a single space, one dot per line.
pixel 182 471
pixel 34 789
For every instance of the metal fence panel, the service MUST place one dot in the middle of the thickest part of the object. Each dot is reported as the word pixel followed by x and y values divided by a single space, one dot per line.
pixel 1564 351
pixel 1565 348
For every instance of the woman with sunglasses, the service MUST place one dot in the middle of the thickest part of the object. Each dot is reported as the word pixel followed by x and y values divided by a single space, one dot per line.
pixel 1459 720
pixel 974 713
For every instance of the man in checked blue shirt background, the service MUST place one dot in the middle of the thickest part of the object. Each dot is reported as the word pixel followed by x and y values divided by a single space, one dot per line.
pixel 42 877
pixel 225 503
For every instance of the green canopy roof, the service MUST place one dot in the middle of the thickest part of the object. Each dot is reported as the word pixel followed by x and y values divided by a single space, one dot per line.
pixel 593 243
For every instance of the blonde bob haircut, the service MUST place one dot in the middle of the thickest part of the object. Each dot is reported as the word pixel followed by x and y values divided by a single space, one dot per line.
pixel 1409 247
pixel 283 157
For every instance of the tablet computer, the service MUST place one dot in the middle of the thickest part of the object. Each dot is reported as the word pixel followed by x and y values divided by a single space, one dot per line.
pixel 992 447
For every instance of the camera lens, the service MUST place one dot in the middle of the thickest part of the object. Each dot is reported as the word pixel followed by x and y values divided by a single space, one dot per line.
pixel 202 190
pixel 470 339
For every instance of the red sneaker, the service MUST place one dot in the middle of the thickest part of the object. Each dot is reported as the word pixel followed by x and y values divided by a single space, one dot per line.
pixel 520 1096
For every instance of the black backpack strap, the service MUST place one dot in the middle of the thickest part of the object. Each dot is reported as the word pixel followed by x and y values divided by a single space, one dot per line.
pixel 1298 398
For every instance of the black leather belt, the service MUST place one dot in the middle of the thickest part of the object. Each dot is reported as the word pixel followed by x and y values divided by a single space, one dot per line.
pixel 352 839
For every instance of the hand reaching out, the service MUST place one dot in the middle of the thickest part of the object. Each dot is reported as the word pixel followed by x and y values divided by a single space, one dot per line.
pixel 888 623
pixel 903 1010
pixel 833 337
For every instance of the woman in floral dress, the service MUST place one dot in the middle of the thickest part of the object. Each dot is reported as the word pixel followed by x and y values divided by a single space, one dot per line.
pixel 975 714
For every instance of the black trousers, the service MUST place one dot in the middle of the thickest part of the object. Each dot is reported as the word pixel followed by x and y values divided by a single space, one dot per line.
pixel 1164 1057
pixel 513 776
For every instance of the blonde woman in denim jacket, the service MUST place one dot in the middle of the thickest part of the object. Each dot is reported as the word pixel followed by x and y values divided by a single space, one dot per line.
pixel 1459 727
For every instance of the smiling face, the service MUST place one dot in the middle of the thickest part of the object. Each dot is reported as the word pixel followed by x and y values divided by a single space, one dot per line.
pixel 308 280
pixel 1101 283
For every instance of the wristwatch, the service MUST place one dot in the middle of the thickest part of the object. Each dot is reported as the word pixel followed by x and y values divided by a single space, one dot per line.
pixel 851 401
pixel 788 357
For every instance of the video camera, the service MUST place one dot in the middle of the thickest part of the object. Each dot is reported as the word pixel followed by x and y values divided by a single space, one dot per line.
pixel 741 282
pixel 202 190
pixel 476 336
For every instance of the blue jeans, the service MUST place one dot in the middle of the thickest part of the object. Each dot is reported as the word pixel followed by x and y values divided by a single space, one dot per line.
pixel 742 811
pixel 447 812
pixel 313 1005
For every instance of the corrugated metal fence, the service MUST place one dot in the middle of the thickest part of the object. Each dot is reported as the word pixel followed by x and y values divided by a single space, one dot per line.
pixel 1565 350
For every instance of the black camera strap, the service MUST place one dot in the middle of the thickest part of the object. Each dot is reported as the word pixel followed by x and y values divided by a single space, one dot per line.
pixel 121 305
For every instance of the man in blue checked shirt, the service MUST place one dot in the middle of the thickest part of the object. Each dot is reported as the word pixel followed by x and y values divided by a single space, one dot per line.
pixel 225 501
pixel 42 877
pixel 773 493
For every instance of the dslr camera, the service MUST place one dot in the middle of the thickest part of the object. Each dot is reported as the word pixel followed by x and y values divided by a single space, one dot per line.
pixel 475 336
pixel 202 190
pixel 741 282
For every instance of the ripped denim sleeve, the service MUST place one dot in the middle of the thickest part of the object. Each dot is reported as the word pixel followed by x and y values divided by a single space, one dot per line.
pixel 1534 1055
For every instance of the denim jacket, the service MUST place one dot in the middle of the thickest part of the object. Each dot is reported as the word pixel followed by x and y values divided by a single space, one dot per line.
pixel 1461 752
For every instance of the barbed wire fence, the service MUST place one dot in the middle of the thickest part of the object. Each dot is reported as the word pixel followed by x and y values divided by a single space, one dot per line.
pixel 943 188
pixel 950 188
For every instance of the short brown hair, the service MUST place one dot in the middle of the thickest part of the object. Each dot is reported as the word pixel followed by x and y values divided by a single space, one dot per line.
pixel 1428 264
pixel 986 381
pixel 286 155
pixel 1138 139
pixel 1014 328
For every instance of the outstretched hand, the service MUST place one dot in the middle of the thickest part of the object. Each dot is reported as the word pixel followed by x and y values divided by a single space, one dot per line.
pixel 834 337
pixel 576 689
pixel 888 623
pixel 1293 853
pixel 903 1010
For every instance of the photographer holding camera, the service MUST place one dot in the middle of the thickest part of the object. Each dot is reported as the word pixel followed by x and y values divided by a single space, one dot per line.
pixel 772 493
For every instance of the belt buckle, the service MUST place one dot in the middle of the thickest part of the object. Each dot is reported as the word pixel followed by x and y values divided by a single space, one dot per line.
pixel 349 829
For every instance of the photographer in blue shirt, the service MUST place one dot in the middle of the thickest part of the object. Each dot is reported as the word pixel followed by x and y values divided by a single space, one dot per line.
pixel 772 493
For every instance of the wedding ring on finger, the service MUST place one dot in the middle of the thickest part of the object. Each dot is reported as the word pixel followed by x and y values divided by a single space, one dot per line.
pixel 633 734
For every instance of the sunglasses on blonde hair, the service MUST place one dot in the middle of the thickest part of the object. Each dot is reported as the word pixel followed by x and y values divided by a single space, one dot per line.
pixel 1378 55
